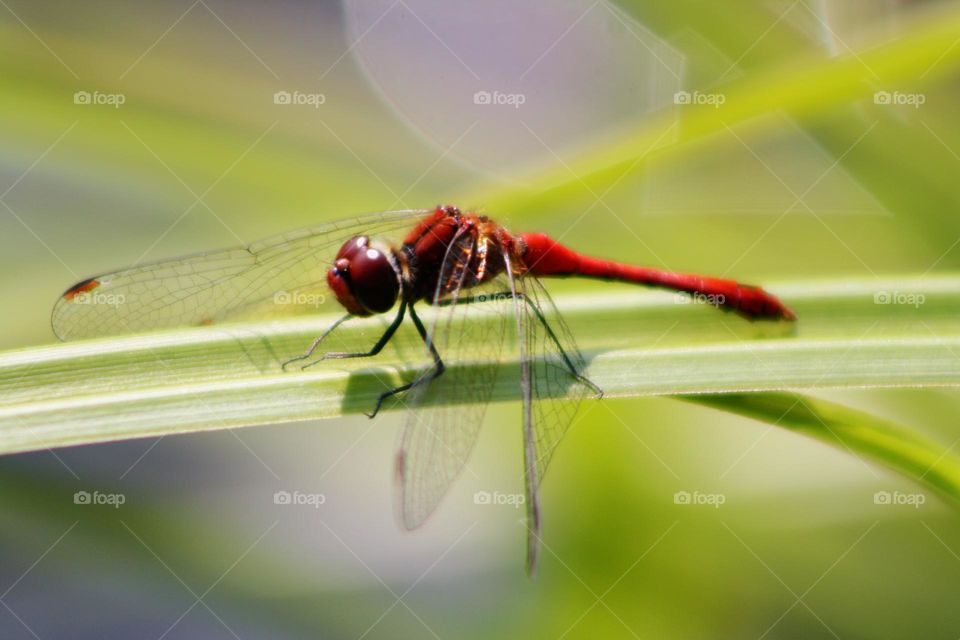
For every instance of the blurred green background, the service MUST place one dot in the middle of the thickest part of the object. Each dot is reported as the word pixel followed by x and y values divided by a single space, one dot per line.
pixel 200 155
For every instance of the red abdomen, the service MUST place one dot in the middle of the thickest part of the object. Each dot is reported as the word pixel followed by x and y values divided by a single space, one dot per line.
pixel 545 257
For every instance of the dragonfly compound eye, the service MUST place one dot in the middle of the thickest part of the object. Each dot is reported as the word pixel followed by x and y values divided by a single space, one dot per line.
pixel 364 278
pixel 373 279
pixel 352 246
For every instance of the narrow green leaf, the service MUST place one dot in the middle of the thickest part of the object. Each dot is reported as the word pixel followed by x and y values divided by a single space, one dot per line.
pixel 854 334
pixel 856 432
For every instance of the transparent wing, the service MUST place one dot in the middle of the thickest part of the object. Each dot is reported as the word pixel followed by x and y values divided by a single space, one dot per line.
pixel 279 276
pixel 469 335
pixel 553 385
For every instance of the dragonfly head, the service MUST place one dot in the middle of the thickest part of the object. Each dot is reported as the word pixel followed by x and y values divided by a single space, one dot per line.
pixel 365 277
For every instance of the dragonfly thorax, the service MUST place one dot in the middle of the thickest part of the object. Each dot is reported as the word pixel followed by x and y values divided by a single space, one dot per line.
pixel 365 277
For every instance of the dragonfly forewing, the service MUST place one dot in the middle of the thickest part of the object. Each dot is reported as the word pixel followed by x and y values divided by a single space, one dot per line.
pixel 279 276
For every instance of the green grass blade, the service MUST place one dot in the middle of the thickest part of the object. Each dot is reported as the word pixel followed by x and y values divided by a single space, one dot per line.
pixel 637 342
pixel 859 433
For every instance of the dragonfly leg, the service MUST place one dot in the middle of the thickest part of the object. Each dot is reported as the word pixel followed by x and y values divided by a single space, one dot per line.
pixel 316 343
pixel 377 348
pixel 434 373
pixel 546 325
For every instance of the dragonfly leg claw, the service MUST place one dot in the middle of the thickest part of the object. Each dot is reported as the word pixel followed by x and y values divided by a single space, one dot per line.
pixel 303 357
pixel 385 395
pixel 310 364
pixel 286 364
pixel 335 356
pixel 313 346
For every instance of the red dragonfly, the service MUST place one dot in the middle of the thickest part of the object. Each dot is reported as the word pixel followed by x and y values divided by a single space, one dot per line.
pixel 482 280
